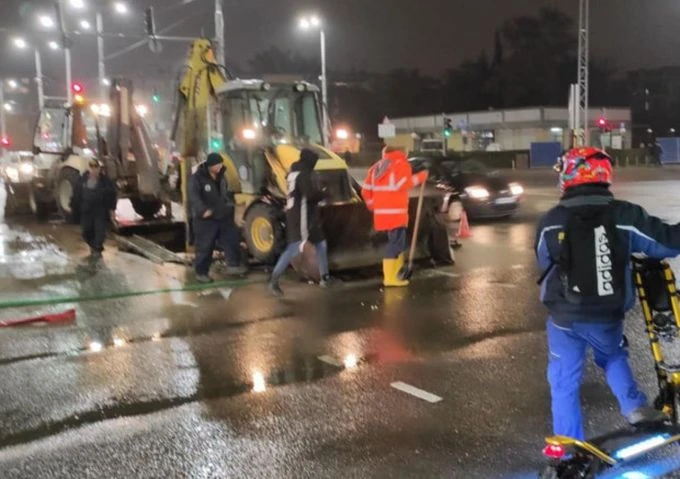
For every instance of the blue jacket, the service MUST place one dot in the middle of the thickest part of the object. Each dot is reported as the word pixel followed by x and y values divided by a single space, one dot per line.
pixel 641 233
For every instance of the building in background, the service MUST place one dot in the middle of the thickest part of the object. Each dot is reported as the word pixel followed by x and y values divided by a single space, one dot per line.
pixel 512 130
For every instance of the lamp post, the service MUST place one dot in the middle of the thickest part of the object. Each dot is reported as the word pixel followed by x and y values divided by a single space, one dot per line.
pixel 310 23
pixel 21 44
pixel 120 8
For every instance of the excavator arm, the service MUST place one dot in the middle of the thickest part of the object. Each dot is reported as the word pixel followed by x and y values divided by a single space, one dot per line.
pixel 201 78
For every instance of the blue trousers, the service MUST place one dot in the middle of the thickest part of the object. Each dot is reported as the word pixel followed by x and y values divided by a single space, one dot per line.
pixel 293 250
pixel 396 243
pixel 210 233
pixel 567 353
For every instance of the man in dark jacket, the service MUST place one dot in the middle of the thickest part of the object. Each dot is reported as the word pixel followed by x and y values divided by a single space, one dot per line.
pixel 303 222
pixel 94 201
pixel 599 264
pixel 212 210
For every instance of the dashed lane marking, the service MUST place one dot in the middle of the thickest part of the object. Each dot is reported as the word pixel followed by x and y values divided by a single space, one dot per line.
pixel 414 391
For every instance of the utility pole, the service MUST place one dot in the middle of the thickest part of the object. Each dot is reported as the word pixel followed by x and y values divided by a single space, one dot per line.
pixel 100 57
pixel 324 91
pixel 39 79
pixel 582 74
pixel 67 49
pixel 219 32
pixel 3 122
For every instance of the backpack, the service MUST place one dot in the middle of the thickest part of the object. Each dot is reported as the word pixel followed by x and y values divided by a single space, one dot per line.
pixel 593 259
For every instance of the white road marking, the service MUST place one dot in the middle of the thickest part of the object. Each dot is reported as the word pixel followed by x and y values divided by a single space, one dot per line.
pixel 330 360
pixel 414 391
pixel 226 292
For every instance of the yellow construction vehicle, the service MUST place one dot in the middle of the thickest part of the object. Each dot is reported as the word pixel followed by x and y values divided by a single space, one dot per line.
pixel 261 128
pixel 67 136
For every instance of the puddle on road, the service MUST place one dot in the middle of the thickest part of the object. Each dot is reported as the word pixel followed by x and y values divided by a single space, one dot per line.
pixel 26 257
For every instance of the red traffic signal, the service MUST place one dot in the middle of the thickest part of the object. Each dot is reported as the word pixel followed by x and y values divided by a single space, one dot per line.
pixel 77 88
pixel 602 122
pixel 5 141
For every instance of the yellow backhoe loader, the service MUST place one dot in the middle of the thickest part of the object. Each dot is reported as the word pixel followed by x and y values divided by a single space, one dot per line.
pixel 261 128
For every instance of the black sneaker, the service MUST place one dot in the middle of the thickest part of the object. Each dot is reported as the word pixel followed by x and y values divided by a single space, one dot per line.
pixel 274 288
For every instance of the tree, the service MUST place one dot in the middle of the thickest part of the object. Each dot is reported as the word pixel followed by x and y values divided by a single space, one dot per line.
pixel 277 61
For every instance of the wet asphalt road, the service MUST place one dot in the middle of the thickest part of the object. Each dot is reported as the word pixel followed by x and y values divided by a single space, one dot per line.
pixel 234 383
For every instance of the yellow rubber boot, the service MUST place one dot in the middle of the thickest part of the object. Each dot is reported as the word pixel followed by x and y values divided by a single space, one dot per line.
pixel 391 269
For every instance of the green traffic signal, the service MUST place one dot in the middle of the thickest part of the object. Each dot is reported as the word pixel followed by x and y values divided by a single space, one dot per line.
pixel 156 98
pixel 215 144
pixel 447 132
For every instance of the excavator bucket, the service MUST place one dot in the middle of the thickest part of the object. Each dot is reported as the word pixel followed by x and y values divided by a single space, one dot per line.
pixel 354 244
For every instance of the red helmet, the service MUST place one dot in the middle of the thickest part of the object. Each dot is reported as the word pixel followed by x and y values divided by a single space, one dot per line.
pixel 582 166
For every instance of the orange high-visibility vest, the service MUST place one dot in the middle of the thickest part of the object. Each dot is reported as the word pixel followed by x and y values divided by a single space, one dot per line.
pixel 386 188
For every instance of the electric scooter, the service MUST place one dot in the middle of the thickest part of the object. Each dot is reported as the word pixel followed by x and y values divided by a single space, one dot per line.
pixel 574 459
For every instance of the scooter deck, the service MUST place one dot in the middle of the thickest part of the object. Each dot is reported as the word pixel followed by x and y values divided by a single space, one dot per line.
pixel 622 445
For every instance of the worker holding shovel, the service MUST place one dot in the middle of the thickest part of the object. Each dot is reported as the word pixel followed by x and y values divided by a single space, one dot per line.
pixel 386 193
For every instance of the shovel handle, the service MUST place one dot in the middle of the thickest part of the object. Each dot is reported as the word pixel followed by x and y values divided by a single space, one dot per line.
pixel 416 226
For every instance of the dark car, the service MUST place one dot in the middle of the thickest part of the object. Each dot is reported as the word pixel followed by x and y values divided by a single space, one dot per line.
pixel 483 192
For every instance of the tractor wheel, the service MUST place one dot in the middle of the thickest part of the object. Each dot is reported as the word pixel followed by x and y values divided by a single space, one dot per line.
pixel 264 232
pixel 147 209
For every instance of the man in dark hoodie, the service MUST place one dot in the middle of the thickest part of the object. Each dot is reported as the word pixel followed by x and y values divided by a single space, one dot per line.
pixel 94 202
pixel 212 210
pixel 303 222
pixel 583 246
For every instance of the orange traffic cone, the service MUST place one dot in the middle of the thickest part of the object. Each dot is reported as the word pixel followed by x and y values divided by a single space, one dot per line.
pixel 464 227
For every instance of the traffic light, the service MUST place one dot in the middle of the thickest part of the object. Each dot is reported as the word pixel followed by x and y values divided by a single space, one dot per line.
pixel 448 127
pixel 603 124
pixel 77 88
pixel 5 142
pixel 215 144
pixel 156 97
pixel 149 22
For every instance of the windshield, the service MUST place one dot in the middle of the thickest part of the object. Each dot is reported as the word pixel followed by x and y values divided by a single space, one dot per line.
pixel 242 111
pixel 85 137
pixel 49 135
pixel 307 115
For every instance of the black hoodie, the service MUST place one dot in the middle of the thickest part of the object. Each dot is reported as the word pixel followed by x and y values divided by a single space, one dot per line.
pixel 303 222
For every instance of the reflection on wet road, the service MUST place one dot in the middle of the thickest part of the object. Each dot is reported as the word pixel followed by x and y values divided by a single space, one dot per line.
pixel 443 379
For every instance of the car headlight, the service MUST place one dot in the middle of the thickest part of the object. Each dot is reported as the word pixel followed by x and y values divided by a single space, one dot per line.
pixel 27 168
pixel 477 192
pixel 12 173
pixel 516 189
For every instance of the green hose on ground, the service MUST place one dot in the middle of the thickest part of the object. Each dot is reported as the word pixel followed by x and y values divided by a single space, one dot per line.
pixel 20 303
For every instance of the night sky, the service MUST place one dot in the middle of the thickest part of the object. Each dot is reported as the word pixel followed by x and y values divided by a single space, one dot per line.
pixel 374 35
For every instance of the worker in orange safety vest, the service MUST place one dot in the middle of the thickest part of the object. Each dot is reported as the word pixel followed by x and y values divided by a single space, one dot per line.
pixel 386 193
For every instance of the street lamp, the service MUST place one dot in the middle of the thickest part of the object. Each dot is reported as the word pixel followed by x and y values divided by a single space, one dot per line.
pixel 20 43
pixel 313 22
pixel 120 7
pixel 46 21
pixel 53 45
